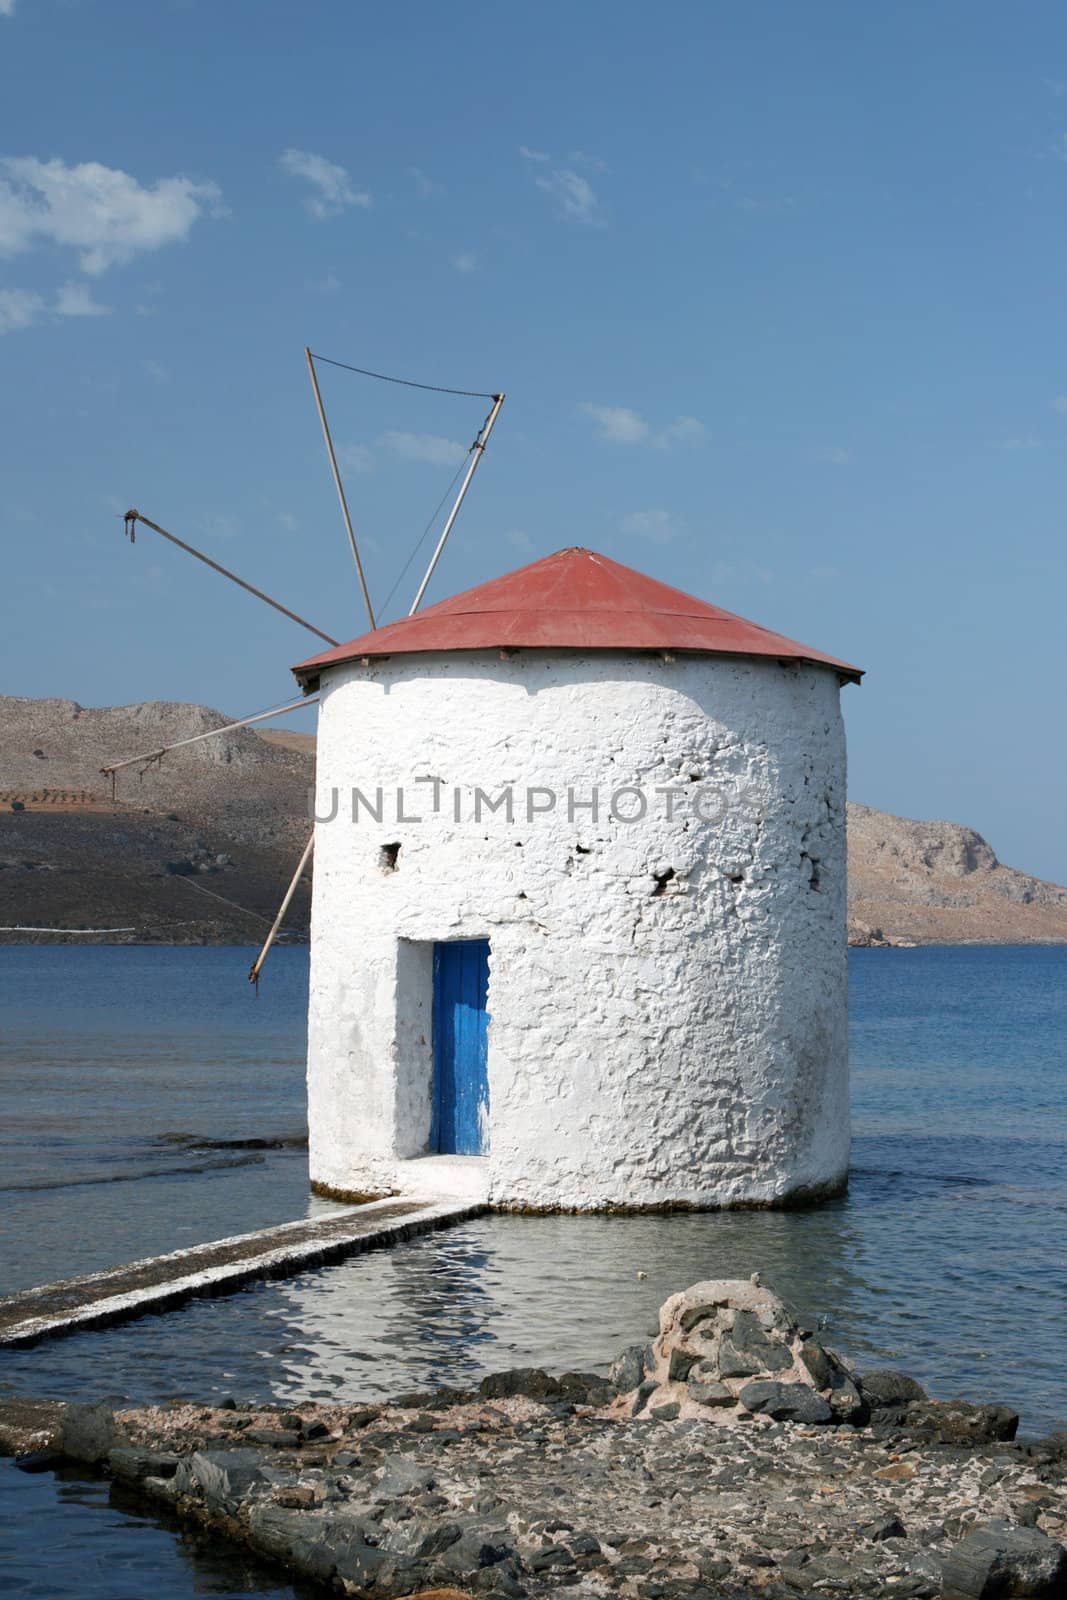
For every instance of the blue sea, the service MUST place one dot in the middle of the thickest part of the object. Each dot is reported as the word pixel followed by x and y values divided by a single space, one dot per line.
pixel 150 1100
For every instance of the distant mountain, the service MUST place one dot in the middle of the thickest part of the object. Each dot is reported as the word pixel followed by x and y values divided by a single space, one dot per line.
pixel 200 847
pixel 941 883
pixel 196 849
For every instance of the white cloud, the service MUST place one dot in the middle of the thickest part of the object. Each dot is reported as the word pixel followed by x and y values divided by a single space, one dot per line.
pixel 100 211
pixel 1024 441
pixel 520 540
pixel 683 430
pixel 76 300
pixel 157 370
pixel 465 261
pixel 428 187
pixel 532 155
pixel 1060 403
pixel 356 458
pixel 656 524
pixel 326 285
pixel 622 425
pixel 18 309
pixel 582 158
pixel 837 457
pixel 575 197
pixel 7 8
pixel 331 187
pixel 428 447
pixel 618 424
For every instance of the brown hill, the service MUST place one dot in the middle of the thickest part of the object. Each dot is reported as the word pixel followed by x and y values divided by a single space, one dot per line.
pixel 199 848
pixel 941 883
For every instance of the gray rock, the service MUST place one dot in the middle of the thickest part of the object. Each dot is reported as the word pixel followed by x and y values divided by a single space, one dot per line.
pixel 277 1438
pixel 886 1387
pixel 529 1381
pixel 846 1402
pixel 126 1462
pixel 478 1548
pixel 641 1397
pixel 887 1527
pixel 550 1555
pixel 666 1412
pixel 680 1364
pixel 88 1433
pixel 224 1477
pixel 734 1363
pixel 999 1560
pixel 785 1402
pixel 361 1564
pixel 587 1389
pixel 696 1314
pixel 817 1362
pixel 628 1369
pixel 401 1476
pixel 706 1392
pixel 297 1538
pixel 960 1422
pixel 750 1333
pixel 421 1536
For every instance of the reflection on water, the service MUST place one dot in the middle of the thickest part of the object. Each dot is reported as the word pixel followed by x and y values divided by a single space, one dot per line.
pixel 945 1295
pixel 74 1537
pixel 948 1256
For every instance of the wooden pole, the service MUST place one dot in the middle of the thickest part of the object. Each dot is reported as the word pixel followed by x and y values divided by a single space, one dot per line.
pixel 339 487
pixel 254 970
pixel 132 518
pixel 212 733
pixel 477 451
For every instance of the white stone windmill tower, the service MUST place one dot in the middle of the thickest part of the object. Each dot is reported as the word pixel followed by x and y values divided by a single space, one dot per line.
pixel 578 931
pixel 579 902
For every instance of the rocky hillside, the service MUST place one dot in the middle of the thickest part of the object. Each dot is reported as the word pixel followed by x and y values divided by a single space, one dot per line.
pixel 941 883
pixel 199 847
pixel 196 848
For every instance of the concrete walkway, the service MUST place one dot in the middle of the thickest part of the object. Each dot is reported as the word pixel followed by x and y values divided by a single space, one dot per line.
pixel 122 1293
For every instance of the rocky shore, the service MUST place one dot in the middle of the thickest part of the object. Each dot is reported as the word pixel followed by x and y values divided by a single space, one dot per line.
pixel 732 1455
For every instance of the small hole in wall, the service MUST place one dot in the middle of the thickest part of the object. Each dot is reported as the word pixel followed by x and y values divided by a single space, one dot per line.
pixel 521 895
pixel 662 880
pixel 583 849
pixel 388 856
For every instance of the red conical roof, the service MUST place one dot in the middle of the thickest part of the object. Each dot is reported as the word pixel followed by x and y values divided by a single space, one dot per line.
pixel 574 600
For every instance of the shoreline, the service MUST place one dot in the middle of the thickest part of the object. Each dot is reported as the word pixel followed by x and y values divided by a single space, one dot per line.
pixel 684 1474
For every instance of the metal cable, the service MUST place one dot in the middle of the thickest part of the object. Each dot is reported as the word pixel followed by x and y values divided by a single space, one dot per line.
pixel 424 535
pixel 434 388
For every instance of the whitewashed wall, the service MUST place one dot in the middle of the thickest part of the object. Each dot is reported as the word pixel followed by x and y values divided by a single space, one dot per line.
pixel 686 1045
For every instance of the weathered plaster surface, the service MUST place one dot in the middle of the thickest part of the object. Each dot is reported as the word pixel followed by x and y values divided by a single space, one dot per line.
pixel 654 1039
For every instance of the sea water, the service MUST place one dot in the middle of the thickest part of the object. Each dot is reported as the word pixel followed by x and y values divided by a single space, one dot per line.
pixel 151 1101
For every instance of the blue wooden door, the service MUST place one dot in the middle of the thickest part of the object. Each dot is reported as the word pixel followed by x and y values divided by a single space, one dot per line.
pixel 460 1023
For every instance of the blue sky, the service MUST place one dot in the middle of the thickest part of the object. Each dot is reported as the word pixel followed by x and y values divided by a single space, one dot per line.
pixel 776 293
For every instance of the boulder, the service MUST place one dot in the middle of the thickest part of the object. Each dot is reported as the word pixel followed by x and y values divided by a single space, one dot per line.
pixel 722 1340
pixel 88 1433
pixel 999 1560
pixel 785 1402
pixel 885 1387
pixel 628 1369
pixel 223 1477
pixel 529 1381
pixel 959 1422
